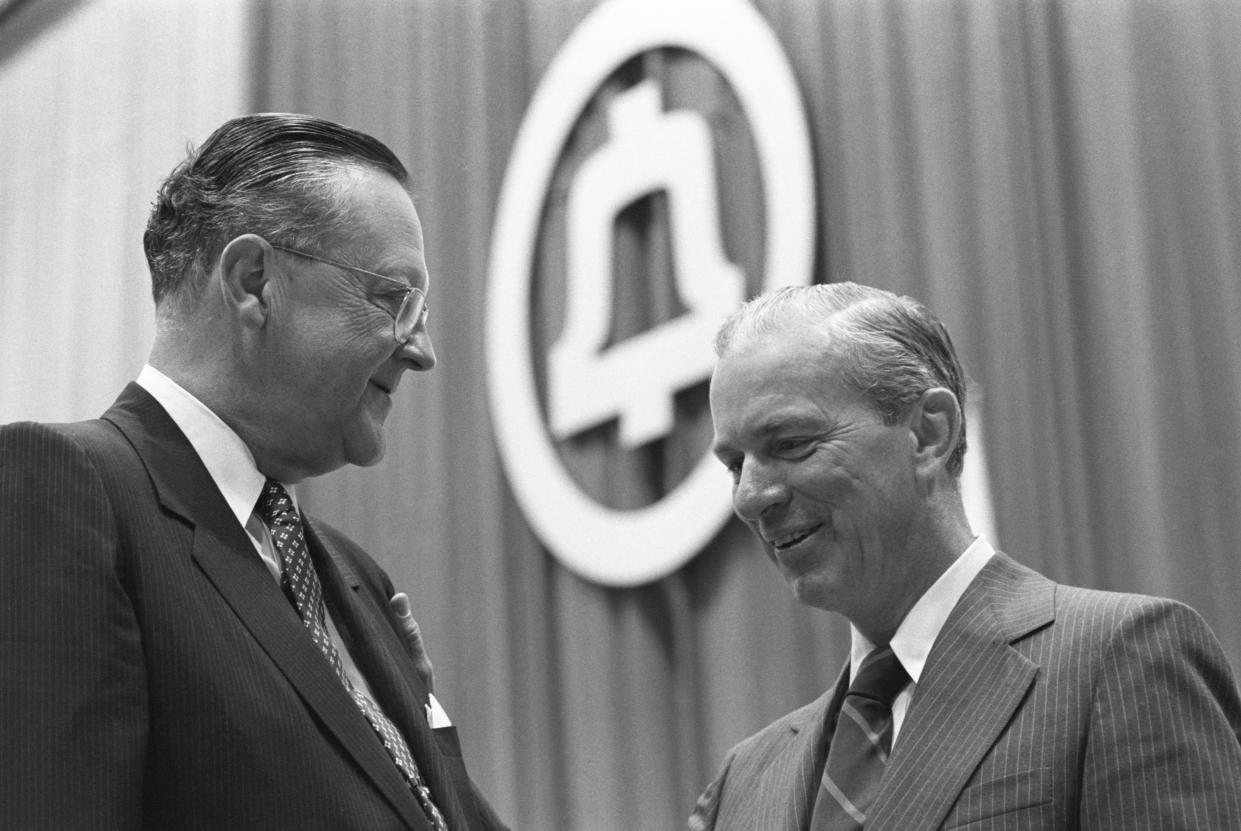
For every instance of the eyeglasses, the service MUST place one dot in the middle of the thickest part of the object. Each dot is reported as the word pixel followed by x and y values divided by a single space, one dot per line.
pixel 413 310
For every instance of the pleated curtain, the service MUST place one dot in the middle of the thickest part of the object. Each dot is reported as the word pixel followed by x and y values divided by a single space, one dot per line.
pixel 1060 181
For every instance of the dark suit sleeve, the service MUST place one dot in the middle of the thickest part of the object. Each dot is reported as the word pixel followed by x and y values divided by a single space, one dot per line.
pixel 1163 750
pixel 72 687
pixel 486 814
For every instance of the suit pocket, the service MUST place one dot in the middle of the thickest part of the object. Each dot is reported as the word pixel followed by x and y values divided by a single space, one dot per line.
pixel 446 738
pixel 1019 801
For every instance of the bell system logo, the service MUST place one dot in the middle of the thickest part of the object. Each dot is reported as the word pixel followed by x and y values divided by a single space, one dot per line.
pixel 646 146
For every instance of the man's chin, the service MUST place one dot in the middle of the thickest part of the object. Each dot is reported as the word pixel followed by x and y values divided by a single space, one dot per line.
pixel 814 591
pixel 366 451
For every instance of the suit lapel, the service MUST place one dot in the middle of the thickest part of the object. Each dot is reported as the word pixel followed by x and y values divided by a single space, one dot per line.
pixel 810 753
pixel 972 684
pixel 382 658
pixel 782 796
pixel 225 554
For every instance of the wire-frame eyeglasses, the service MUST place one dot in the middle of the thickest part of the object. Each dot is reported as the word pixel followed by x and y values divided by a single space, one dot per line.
pixel 413 310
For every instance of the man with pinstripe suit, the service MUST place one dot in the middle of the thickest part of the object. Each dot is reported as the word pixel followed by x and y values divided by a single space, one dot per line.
pixel 180 647
pixel 1025 704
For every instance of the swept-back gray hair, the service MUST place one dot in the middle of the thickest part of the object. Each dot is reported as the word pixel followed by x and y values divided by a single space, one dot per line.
pixel 274 174
pixel 894 349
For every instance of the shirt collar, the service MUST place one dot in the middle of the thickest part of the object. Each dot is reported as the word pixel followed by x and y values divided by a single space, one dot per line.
pixel 226 457
pixel 917 633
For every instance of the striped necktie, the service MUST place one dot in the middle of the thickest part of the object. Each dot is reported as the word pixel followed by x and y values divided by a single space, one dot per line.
pixel 860 744
pixel 302 584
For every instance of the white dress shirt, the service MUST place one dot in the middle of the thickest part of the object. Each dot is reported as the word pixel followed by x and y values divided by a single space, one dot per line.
pixel 917 633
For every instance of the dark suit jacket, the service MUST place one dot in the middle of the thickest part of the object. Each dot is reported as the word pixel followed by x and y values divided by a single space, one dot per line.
pixel 153 675
pixel 1041 706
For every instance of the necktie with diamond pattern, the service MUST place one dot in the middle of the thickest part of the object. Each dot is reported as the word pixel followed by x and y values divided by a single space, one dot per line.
pixel 302 583
pixel 860 744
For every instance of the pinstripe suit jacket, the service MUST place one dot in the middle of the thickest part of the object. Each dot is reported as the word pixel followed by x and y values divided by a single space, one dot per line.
pixel 152 674
pixel 1041 706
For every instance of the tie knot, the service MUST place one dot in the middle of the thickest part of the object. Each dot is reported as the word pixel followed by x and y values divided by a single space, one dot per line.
pixel 880 677
pixel 275 505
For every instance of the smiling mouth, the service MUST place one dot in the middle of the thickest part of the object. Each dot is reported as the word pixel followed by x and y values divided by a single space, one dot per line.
pixel 789 540
pixel 385 390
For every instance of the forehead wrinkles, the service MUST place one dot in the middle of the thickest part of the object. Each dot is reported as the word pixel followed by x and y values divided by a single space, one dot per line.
pixel 748 399
pixel 779 383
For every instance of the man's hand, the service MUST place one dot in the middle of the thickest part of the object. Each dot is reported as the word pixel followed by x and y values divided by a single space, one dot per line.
pixel 413 638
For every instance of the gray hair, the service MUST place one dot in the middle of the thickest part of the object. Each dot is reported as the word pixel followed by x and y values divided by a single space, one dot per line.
pixel 894 349
pixel 274 174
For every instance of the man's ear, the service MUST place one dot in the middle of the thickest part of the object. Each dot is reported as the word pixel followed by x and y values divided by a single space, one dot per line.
pixel 245 278
pixel 936 426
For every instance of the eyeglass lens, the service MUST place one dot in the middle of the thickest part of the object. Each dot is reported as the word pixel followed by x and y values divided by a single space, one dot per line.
pixel 413 311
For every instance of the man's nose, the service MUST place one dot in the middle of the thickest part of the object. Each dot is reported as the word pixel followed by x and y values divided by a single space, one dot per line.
pixel 758 489
pixel 418 351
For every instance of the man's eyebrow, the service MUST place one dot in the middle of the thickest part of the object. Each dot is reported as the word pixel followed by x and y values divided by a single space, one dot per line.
pixel 779 422
pixel 775 423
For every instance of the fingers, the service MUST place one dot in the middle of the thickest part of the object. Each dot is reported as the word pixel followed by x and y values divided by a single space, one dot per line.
pixel 413 638
pixel 400 605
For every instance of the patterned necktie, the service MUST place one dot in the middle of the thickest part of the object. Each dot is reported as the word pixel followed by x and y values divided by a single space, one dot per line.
pixel 302 584
pixel 860 744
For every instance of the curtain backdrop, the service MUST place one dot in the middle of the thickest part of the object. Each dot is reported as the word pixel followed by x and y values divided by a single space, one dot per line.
pixel 1060 181
pixel 98 101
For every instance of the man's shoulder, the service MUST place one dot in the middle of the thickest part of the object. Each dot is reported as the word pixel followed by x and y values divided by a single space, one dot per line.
pixel 354 555
pixel 782 730
pixel 1124 615
pixel 336 537
pixel 1083 613
pixel 1013 583
pixel 795 721
pixel 1084 600
pixel 16 431
pixel 36 442
pixel 1008 571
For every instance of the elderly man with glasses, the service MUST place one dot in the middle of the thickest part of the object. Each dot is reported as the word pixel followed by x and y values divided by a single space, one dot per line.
pixel 181 647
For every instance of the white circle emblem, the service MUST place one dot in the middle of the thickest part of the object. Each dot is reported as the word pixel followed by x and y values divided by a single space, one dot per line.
pixel 601 544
